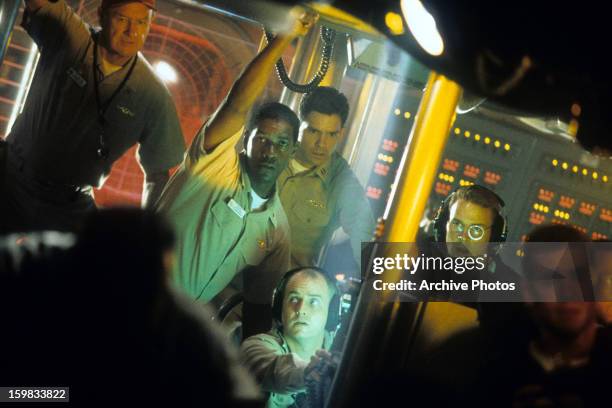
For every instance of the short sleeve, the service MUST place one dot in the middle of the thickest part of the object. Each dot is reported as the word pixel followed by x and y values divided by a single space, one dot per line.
pixel 162 145
pixel 55 25
pixel 221 163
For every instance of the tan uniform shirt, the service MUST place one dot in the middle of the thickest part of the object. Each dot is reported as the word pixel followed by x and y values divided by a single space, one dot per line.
pixel 208 202
pixel 279 371
pixel 320 200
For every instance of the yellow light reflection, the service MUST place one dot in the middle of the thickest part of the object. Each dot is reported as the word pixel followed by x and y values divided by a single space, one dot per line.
pixel 394 23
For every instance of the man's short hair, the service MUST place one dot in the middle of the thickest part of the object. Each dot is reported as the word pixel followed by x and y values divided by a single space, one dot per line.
pixel 313 273
pixel 479 195
pixel 276 111
pixel 326 100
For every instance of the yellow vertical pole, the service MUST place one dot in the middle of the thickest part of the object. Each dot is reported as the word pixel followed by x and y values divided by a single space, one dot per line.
pixel 381 327
pixel 425 148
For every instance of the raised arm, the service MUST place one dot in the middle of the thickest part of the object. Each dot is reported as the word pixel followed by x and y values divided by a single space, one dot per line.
pixel 231 115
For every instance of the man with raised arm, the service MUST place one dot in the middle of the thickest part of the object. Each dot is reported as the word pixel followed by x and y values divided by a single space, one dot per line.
pixel 93 97
pixel 223 204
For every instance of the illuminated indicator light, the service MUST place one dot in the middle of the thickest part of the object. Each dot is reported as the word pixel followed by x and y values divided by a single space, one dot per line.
pixel 487 140
pixel 507 147
pixel 407 115
pixel 397 111
pixel 564 166
pixel 394 23
pixel 497 143
pixel 555 162
pixel 585 172
pixel 575 169
pixel 572 128
pixel 576 109
pixel 466 133
pixel 477 137
pixel 457 131
pixel 595 175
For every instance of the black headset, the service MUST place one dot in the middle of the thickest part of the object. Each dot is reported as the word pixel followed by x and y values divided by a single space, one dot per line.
pixel 499 229
pixel 333 314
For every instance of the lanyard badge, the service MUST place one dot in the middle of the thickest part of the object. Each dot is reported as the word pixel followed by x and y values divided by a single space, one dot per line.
pixel 102 152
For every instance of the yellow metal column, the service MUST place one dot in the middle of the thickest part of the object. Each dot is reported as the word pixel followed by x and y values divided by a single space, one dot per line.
pixel 380 331
pixel 425 146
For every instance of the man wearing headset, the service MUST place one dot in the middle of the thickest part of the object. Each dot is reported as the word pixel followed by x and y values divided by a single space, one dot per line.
pixel 305 307
pixel 470 221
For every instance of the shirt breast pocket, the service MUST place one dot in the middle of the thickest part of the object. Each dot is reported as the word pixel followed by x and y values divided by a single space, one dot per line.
pixel 312 213
pixel 226 219
pixel 123 125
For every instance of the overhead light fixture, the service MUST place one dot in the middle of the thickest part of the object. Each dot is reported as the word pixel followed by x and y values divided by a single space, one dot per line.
pixel 165 72
pixel 422 26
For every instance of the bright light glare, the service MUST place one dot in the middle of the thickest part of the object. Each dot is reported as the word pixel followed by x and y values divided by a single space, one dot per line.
pixel 165 72
pixel 422 26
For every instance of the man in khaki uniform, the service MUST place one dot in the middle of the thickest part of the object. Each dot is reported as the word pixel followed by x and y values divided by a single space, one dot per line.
pixel 224 206
pixel 319 191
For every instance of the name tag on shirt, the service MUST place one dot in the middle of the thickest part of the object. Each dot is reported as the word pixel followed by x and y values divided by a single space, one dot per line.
pixel 76 77
pixel 236 208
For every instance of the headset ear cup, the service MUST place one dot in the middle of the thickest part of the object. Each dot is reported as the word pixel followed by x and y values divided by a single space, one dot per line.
pixel 439 222
pixel 277 304
pixel 333 313
pixel 499 231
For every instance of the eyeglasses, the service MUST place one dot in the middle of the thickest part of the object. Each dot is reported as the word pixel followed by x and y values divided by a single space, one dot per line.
pixel 281 146
pixel 474 231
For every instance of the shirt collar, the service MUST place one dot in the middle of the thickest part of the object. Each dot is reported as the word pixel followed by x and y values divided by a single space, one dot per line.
pixel 323 171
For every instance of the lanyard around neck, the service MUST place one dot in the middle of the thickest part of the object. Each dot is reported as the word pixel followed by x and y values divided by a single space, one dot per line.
pixel 102 107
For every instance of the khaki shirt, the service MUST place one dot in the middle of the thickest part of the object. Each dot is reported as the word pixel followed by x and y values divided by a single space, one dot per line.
pixel 56 137
pixel 208 202
pixel 320 200
pixel 278 371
